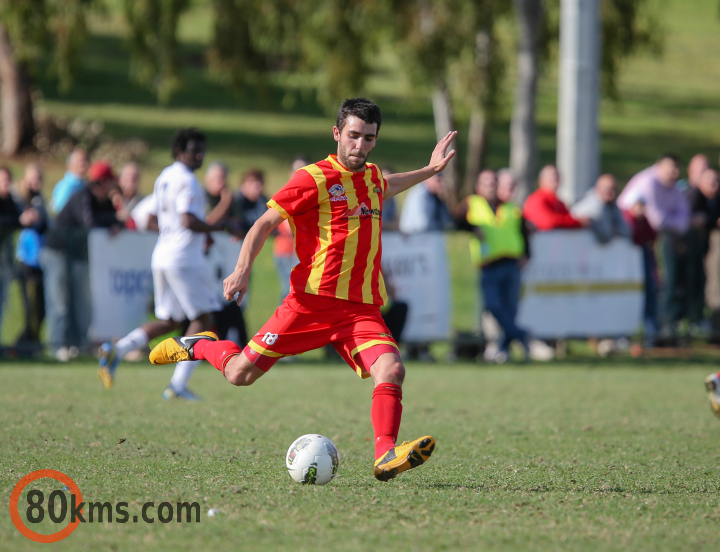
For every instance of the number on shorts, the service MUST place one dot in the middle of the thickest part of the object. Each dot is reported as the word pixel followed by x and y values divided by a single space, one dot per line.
pixel 269 338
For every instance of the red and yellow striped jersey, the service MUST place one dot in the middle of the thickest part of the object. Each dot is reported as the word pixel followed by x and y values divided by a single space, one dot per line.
pixel 335 215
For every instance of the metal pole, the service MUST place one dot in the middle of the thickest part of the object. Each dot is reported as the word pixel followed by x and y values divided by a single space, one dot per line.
pixel 578 152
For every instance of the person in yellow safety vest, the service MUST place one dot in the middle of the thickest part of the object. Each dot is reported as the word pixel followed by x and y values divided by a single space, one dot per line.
pixel 499 249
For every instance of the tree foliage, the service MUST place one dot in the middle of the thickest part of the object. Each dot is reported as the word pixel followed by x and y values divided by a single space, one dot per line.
pixel 628 26
pixel 40 28
pixel 453 43
pixel 153 43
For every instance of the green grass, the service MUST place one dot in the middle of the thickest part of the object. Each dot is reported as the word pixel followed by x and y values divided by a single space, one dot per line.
pixel 595 456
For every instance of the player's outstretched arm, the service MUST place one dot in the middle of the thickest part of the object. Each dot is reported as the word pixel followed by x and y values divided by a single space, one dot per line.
pixel 439 159
pixel 237 282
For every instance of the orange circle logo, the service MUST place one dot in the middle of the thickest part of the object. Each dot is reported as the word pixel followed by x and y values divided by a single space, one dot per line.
pixel 15 497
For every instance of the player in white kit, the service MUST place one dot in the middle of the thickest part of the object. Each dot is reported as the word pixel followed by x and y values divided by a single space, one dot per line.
pixel 184 287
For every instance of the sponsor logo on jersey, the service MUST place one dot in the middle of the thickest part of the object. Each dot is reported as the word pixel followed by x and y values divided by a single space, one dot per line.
pixel 362 211
pixel 381 334
pixel 377 190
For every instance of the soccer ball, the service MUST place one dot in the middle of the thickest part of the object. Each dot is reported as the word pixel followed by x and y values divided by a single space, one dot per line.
pixel 312 459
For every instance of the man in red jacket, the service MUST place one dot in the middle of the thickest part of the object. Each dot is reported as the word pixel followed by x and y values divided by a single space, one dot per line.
pixel 544 210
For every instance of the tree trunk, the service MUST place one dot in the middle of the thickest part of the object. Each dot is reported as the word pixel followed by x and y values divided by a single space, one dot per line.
pixel 475 150
pixel 442 112
pixel 523 129
pixel 16 113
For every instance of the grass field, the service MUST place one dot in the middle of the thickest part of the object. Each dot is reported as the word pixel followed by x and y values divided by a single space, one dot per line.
pixel 595 456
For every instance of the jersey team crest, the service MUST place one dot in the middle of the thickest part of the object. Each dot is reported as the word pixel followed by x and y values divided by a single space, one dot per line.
pixel 337 190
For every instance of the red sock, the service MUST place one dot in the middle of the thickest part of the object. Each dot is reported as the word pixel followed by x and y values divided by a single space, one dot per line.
pixel 216 353
pixel 385 414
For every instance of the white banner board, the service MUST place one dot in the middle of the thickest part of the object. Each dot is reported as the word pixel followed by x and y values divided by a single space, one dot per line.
pixel 575 287
pixel 121 285
pixel 417 267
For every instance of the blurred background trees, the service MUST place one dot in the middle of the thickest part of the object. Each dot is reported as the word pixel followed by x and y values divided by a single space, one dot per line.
pixel 29 31
pixel 456 52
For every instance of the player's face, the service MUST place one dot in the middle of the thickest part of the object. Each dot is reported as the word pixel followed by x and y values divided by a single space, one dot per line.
pixel 355 142
pixel 193 155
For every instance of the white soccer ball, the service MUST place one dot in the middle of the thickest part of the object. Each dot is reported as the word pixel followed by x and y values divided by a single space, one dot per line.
pixel 312 459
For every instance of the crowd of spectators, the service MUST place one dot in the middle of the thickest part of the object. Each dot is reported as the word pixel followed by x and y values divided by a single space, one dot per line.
pixel 670 220
pixel 49 254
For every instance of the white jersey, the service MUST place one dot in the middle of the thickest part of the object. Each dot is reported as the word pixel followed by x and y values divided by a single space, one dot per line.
pixel 177 191
pixel 142 211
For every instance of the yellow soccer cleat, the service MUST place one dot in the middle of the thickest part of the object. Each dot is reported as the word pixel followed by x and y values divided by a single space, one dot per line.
pixel 400 458
pixel 712 387
pixel 177 349
pixel 108 364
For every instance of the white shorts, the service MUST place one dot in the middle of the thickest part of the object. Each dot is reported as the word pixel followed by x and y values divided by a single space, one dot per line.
pixel 184 293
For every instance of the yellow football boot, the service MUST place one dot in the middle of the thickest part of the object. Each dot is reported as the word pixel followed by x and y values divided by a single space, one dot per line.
pixel 108 363
pixel 400 458
pixel 177 349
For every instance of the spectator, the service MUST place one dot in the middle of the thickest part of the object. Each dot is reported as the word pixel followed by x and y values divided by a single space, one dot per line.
pixel 30 241
pixel 250 203
pixel 229 321
pixel 697 166
pixel 506 186
pixel 127 198
pixel 668 212
pixel 499 250
pixel 12 218
pixel 72 182
pixel 599 207
pixel 644 236
pixel 543 210
pixel 705 212
pixel 64 260
pixel 537 349
pixel 424 209
pixel 395 311
pixel 218 195
pixel 283 242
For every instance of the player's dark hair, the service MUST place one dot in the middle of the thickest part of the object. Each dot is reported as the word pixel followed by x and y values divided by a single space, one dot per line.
pixel 183 136
pixel 669 155
pixel 360 108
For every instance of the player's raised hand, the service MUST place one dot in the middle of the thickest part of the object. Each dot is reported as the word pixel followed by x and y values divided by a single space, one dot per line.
pixel 235 286
pixel 441 156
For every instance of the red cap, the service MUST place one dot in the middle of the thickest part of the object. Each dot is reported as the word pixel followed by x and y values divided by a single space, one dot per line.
pixel 100 170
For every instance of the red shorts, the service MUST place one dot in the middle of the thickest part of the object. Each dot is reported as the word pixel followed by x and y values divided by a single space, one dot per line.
pixel 304 322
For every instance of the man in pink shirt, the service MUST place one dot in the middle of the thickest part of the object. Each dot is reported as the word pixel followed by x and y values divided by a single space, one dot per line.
pixel 666 207
pixel 543 210
pixel 668 212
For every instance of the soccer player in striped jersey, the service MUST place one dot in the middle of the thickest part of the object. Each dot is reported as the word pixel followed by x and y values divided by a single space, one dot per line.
pixel 334 208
